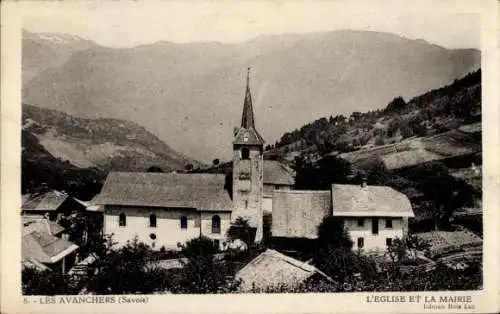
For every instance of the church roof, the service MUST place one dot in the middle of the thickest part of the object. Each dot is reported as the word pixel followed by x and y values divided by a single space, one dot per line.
pixel 248 137
pixel 247 134
pixel 201 191
pixel 362 201
pixel 277 173
pixel 247 118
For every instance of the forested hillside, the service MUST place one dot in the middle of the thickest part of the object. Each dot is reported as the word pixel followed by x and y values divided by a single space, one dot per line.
pixel 65 151
pixel 434 112
pixel 429 148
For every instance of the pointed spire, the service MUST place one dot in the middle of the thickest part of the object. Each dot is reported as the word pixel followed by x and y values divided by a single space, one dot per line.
pixel 247 119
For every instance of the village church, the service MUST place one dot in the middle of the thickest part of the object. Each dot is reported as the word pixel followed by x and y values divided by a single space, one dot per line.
pixel 168 209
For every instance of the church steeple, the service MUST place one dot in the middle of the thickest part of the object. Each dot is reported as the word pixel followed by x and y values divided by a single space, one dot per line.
pixel 247 119
pixel 248 168
pixel 246 134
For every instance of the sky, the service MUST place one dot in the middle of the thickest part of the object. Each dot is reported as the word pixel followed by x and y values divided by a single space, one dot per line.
pixel 451 24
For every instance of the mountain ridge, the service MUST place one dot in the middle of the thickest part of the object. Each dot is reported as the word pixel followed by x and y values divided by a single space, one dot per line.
pixel 185 92
pixel 105 144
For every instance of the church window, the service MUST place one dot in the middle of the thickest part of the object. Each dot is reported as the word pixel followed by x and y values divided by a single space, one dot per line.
pixel 184 222
pixel 245 153
pixel 215 224
pixel 152 236
pixel 152 221
pixel 122 220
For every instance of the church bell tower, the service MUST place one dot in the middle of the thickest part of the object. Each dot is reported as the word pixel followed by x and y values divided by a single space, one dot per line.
pixel 248 162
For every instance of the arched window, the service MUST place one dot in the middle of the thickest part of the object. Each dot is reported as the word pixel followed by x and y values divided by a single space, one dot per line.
pixel 152 221
pixel 245 153
pixel 122 220
pixel 184 222
pixel 215 224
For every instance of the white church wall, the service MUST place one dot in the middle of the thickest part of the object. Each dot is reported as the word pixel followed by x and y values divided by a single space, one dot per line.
pixel 168 229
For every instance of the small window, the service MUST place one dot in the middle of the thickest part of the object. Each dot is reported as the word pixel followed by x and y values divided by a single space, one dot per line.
pixel 122 220
pixel 276 187
pixel 388 241
pixel 388 223
pixel 152 221
pixel 361 242
pixel 361 222
pixel 375 226
pixel 245 153
pixel 246 204
pixel 184 222
pixel 216 224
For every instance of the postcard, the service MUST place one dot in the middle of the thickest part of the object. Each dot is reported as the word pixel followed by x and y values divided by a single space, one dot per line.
pixel 250 156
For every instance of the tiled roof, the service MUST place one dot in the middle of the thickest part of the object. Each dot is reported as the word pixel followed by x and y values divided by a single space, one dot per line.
pixel 359 201
pixel 277 173
pixel 45 248
pixel 42 225
pixel 48 201
pixel 272 269
pixel 202 191
pixel 248 137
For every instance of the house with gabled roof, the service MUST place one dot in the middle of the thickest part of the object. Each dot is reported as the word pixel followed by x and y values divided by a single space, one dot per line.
pixel 165 209
pixel 43 248
pixel 274 270
pixel 52 203
pixel 373 215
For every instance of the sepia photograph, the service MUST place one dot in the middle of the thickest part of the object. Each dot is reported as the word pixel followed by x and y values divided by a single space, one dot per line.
pixel 250 148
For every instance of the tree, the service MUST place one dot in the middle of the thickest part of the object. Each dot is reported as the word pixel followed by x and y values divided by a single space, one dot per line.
pixel 200 246
pixel 396 105
pixel 129 269
pixel 328 170
pixel 407 247
pixel 201 273
pixel 445 192
pixel 334 254
pixel 332 233
pixel 47 282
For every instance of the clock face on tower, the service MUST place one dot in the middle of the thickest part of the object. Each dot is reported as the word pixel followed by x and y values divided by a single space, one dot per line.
pixel 245 139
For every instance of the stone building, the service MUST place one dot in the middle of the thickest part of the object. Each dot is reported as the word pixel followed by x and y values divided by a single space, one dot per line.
pixel 373 215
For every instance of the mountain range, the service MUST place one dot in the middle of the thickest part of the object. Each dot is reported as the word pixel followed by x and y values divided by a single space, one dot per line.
pixel 191 95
